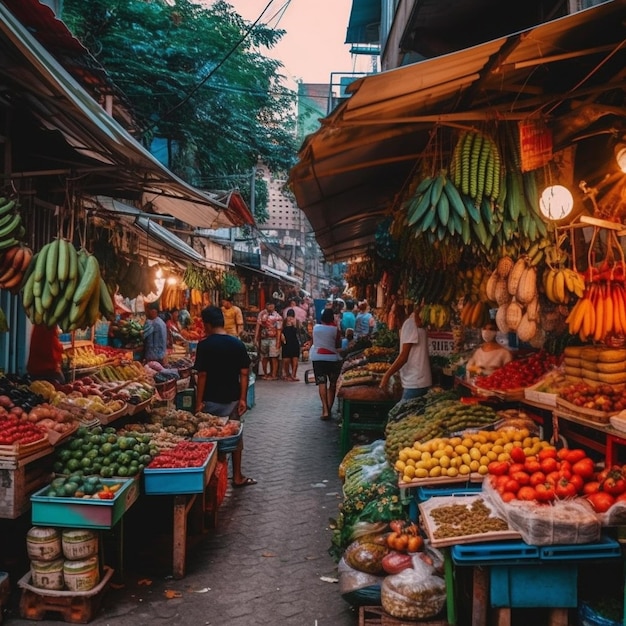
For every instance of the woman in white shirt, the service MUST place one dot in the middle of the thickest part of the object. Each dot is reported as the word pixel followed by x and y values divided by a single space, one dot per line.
pixel 326 360
pixel 490 355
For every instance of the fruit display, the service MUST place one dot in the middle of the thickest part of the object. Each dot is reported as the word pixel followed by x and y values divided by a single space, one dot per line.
pixel 473 452
pixel 14 430
pixel 601 397
pixel 184 454
pixel 542 476
pixel 128 331
pixel 521 372
pixel 211 431
pixel 102 452
pixel 120 373
pixel 83 357
pixel 437 419
pixel 176 422
pixel 63 286
pixel 81 486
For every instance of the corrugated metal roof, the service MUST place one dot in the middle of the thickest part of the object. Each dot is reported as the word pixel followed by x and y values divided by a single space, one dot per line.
pixel 352 169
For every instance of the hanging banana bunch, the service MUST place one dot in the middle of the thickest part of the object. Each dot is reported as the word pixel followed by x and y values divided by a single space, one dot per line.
pixel 435 315
pixel 64 287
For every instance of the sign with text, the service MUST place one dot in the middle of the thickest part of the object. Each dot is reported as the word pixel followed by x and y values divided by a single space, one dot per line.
pixel 440 343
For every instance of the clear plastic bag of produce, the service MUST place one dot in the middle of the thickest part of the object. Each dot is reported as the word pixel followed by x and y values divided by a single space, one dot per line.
pixel 554 523
pixel 358 588
pixel 414 593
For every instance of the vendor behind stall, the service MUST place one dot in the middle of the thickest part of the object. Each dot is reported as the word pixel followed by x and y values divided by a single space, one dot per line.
pixel 45 355
pixel 490 355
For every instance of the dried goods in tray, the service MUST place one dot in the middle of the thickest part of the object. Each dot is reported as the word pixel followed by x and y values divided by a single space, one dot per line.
pixel 460 519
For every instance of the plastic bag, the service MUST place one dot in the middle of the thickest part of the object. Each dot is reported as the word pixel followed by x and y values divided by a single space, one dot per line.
pixel 352 580
pixel 367 556
pixel 559 522
pixel 415 593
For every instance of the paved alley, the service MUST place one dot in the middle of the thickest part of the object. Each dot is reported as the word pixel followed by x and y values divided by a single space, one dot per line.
pixel 267 562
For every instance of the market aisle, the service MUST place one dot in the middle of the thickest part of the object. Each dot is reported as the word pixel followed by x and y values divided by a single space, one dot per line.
pixel 264 563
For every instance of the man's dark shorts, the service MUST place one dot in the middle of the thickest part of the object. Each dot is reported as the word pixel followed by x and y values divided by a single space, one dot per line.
pixel 326 370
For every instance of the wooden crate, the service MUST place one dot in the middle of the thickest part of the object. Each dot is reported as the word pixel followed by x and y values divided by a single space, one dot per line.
pixel 19 479
pixel 377 616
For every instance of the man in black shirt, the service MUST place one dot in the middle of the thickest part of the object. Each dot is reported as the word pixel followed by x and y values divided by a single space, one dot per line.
pixel 223 365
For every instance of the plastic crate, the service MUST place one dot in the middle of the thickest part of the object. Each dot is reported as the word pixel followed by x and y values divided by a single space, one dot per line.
pixel 494 552
pixel 84 513
pixel 172 481
pixel 224 444
pixel 534 586
pixel 423 493
pixel 606 548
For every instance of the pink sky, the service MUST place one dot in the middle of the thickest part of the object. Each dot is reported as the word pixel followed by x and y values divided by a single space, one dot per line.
pixel 313 45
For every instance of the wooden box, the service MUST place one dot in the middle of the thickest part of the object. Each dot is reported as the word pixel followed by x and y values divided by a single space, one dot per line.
pixel 19 478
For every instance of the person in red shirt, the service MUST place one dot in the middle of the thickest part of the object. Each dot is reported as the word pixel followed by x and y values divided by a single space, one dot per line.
pixel 46 354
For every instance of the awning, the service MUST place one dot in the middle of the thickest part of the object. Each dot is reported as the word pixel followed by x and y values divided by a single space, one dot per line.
pixel 269 273
pixel 169 242
pixel 108 159
pixel 364 22
pixel 354 168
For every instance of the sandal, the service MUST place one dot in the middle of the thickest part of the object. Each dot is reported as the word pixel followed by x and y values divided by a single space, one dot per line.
pixel 324 417
pixel 246 481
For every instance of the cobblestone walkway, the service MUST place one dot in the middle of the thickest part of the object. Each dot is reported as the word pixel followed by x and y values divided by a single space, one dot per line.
pixel 267 561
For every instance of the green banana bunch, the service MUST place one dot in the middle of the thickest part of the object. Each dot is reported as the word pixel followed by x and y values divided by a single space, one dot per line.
pixel 64 287
pixel 11 227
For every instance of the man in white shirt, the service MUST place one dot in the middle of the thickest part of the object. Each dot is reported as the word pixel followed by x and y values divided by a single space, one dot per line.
pixel 413 362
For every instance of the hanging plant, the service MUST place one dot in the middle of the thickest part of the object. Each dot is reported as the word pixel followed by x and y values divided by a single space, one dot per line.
pixel 230 284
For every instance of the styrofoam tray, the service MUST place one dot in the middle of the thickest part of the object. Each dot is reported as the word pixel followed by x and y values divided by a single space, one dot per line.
pixel 619 423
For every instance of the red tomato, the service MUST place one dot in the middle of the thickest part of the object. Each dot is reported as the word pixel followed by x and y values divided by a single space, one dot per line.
pixel 511 485
pixel 544 492
pixel 614 484
pixel 548 464
pixel 564 489
pixel 537 478
pixel 584 468
pixel 526 493
pixel 516 467
pixel 498 468
pixel 578 482
pixel 601 501
pixel 523 478
pixel 517 455
pixel 507 496
pixel 547 453
pixel 575 455
pixel 532 465
pixel 621 497
pixel 591 487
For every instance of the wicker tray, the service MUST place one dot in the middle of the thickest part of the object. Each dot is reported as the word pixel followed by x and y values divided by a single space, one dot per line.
pixel 19 451
pixel 133 409
pixel 600 417
pixel 107 418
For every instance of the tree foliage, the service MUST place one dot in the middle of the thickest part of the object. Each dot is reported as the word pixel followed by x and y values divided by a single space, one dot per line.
pixel 196 75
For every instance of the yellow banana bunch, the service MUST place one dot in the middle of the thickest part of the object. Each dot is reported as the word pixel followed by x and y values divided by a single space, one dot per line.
pixel 435 315
pixel 475 314
pixel 559 284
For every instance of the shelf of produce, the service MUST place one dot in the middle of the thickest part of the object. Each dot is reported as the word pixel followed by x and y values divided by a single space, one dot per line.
pixel 21 451
pixel 81 512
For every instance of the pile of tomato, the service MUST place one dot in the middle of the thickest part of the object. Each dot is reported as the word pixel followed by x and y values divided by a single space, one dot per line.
pixel 522 372
pixel 15 430
pixel 184 454
pixel 549 475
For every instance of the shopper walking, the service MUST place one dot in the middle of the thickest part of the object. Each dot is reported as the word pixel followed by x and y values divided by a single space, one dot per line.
pixel 223 365
pixel 364 323
pixel 413 362
pixel 326 360
pixel 290 346
pixel 233 317
pixel 267 338
pixel 154 336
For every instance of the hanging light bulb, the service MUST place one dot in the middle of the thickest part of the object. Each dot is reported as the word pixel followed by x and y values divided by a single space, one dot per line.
pixel 556 202
pixel 620 156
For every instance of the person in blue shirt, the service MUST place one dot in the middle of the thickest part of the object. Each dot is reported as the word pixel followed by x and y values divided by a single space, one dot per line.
pixel 348 318
pixel 154 336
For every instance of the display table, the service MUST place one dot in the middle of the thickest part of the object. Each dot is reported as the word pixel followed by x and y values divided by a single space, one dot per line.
pixel 187 507
pixel 513 574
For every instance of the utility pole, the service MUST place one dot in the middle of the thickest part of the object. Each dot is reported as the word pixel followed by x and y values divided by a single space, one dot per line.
pixel 252 202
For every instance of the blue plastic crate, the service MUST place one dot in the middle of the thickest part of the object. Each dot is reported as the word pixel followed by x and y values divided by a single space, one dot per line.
pixel 424 493
pixel 534 586
pixel 224 444
pixel 494 552
pixel 606 548
pixel 171 481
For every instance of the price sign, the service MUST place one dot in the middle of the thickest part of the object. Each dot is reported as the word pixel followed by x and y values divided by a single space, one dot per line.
pixel 440 343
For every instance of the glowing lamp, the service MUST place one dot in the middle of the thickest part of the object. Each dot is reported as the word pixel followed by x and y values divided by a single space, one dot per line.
pixel 556 202
pixel 620 156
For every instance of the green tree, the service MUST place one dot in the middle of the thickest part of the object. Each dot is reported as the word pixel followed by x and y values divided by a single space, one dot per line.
pixel 195 75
